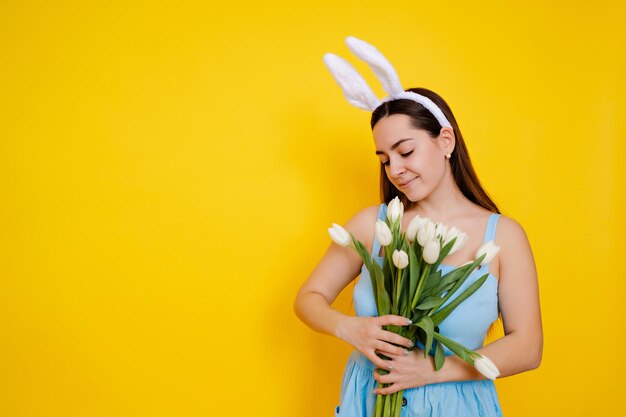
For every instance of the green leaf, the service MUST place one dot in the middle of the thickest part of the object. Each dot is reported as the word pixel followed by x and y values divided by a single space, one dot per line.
pixel 426 324
pixel 453 276
pixel 420 285
pixel 444 250
pixel 368 261
pixel 394 328
pixel 457 348
pixel 465 272
pixel 410 332
pixel 445 312
pixel 439 356
pixel 382 296
pixel 414 271
pixel 433 278
pixel 429 302
pixel 417 315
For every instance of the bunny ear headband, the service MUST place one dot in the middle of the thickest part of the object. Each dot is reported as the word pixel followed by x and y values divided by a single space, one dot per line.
pixel 357 91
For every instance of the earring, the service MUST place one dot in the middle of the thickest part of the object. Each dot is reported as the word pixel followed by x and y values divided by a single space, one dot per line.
pixel 448 155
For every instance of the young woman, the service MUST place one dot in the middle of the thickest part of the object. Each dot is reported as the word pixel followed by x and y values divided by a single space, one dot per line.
pixel 427 166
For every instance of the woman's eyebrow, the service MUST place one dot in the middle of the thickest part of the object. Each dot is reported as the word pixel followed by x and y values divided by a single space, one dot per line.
pixel 395 145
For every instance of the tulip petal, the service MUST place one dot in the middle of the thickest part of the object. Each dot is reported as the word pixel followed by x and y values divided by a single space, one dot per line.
pixel 485 366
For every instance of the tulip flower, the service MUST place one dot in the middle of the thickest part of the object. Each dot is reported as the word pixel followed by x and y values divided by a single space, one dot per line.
pixel 441 230
pixel 485 366
pixel 382 233
pixel 490 249
pixel 395 209
pixel 400 259
pixel 413 227
pixel 431 251
pixel 461 239
pixel 426 232
pixel 339 235
pixel 450 234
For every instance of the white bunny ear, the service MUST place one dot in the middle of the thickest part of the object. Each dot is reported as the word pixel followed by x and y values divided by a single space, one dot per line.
pixel 353 85
pixel 378 63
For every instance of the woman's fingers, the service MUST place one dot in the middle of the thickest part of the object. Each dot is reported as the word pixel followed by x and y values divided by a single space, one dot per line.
pixel 378 361
pixel 387 390
pixel 382 379
pixel 392 337
pixel 389 349
pixel 393 319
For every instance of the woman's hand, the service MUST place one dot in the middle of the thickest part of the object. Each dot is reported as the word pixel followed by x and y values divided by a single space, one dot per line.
pixel 367 336
pixel 407 372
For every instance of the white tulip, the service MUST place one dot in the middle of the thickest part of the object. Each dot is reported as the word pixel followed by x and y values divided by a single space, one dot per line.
pixel 441 230
pixel 461 239
pixel 426 232
pixel 490 249
pixel 485 366
pixel 382 233
pixel 340 235
pixel 431 251
pixel 395 209
pixel 451 233
pixel 400 259
pixel 413 227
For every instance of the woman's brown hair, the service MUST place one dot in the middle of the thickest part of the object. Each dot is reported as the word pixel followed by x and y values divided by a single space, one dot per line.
pixel 460 163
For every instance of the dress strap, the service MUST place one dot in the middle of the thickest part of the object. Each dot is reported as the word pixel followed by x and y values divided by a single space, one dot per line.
pixel 382 212
pixel 490 231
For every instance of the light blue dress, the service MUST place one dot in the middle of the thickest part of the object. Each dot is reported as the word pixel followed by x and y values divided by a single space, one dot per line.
pixel 468 325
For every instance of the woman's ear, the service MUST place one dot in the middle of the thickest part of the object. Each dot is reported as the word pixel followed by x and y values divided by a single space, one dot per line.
pixel 447 141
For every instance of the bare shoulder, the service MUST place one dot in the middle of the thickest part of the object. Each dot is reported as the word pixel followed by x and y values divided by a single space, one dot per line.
pixel 515 251
pixel 510 232
pixel 361 224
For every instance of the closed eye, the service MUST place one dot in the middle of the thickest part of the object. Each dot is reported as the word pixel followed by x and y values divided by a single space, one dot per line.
pixel 403 154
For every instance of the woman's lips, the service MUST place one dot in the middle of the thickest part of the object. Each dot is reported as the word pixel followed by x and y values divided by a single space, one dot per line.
pixel 406 183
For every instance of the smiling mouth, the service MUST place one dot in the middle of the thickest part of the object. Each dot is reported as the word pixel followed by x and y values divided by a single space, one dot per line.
pixel 408 182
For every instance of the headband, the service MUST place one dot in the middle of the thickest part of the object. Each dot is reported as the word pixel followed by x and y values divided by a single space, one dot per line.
pixel 357 91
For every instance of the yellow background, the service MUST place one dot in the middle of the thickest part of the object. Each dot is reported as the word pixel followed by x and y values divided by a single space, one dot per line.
pixel 169 170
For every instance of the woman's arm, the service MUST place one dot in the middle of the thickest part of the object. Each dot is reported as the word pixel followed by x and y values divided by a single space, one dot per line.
pixel 337 268
pixel 519 350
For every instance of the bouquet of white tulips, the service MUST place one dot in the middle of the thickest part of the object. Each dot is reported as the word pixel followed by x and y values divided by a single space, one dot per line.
pixel 409 284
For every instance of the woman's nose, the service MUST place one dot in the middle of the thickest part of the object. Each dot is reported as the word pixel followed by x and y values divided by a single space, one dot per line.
pixel 396 168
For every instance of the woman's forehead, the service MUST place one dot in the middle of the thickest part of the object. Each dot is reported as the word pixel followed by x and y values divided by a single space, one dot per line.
pixel 391 133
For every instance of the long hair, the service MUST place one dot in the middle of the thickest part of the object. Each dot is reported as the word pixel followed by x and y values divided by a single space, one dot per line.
pixel 460 163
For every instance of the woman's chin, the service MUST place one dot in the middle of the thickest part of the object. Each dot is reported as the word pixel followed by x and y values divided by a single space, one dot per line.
pixel 414 195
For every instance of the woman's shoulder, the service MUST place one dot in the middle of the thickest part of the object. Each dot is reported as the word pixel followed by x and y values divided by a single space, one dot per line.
pixel 511 237
pixel 509 228
pixel 361 224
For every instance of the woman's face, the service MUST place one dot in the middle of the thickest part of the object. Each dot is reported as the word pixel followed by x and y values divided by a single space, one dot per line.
pixel 414 162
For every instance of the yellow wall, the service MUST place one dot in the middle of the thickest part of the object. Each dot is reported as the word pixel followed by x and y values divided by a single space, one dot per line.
pixel 169 170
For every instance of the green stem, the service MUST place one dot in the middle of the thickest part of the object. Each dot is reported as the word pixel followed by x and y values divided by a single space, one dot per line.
pixel 378 411
pixel 386 407
pixel 398 403
pixel 398 288
pixel 424 273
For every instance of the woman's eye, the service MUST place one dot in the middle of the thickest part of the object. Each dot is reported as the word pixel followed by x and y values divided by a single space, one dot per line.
pixel 403 154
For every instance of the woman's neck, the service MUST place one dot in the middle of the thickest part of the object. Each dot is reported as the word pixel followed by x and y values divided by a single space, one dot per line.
pixel 443 204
